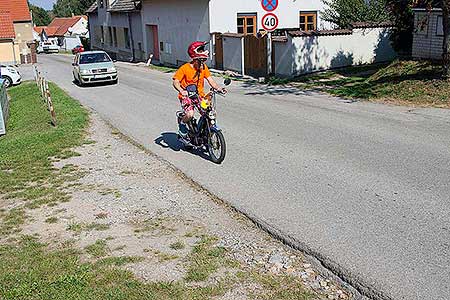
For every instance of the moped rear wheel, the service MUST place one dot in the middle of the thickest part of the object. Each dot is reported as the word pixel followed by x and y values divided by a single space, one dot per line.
pixel 217 147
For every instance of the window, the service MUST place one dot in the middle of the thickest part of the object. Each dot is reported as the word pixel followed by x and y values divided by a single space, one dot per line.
pixel 246 23
pixel 110 36
pixel 115 36
pixel 308 21
pixel 94 58
pixel 422 23
pixel 161 46
pixel 102 34
pixel 127 38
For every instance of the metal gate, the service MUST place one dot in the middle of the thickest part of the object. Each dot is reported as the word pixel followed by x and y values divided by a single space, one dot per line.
pixel 255 56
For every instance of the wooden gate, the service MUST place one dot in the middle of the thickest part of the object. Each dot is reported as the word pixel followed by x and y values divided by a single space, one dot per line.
pixel 255 56
pixel 218 51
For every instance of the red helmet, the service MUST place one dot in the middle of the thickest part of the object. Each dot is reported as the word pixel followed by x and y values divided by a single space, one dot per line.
pixel 197 50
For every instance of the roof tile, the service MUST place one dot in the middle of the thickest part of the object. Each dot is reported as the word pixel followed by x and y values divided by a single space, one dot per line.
pixel 62 25
pixel 18 8
pixel 6 26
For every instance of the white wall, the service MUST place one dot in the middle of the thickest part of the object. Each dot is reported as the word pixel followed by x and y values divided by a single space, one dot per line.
pixel 224 13
pixel 120 21
pixel 80 28
pixel 302 55
pixel 232 53
pixel 179 24
pixel 71 42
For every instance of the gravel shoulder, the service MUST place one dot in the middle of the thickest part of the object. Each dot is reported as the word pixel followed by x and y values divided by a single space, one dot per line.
pixel 130 203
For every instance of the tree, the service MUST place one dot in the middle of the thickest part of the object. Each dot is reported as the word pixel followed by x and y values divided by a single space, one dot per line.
pixel 345 12
pixel 403 17
pixel 40 15
pixel 404 25
pixel 65 8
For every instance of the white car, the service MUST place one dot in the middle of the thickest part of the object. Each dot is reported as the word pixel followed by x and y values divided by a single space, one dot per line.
pixel 50 46
pixel 10 75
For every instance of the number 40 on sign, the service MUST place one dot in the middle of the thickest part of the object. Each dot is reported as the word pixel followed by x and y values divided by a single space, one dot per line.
pixel 270 22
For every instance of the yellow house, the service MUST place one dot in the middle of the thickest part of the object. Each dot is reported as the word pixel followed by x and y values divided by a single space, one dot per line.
pixel 23 48
pixel 9 51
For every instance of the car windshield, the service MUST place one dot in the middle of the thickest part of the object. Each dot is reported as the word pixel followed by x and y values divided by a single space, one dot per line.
pixel 93 58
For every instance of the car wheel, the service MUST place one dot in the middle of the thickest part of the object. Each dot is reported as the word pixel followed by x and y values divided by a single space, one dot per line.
pixel 8 81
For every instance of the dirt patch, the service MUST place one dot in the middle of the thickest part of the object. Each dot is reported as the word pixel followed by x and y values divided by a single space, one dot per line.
pixel 134 211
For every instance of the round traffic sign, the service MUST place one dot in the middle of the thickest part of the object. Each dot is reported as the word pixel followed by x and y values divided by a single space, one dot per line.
pixel 269 5
pixel 270 22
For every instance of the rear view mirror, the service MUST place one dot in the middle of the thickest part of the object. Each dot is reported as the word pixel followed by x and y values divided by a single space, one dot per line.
pixel 227 81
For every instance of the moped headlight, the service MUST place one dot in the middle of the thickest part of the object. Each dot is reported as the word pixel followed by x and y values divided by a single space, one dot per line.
pixel 212 115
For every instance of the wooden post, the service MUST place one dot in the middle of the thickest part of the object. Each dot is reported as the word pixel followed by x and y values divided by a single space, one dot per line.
pixel 51 109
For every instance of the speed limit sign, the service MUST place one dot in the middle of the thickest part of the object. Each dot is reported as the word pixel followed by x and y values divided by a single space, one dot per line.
pixel 270 22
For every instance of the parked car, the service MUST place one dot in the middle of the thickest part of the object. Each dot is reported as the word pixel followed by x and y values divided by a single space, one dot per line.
pixel 94 66
pixel 78 49
pixel 49 47
pixel 10 75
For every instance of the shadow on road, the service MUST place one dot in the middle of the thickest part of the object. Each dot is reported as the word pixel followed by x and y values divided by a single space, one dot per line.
pixel 274 90
pixel 170 140
pixel 92 85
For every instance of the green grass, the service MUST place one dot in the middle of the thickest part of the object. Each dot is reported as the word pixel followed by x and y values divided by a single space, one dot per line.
pixel 98 249
pixel 204 260
pixel 26 151
pixel 165 69
pixel 80 227
pixel 51 220
pixel 121 260
pixel 416 83
pixel 279 287
pixel 29 271
pixel 157 227
pixel 177 245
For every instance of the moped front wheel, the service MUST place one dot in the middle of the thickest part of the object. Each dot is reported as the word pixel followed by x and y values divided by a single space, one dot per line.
pixel 216 147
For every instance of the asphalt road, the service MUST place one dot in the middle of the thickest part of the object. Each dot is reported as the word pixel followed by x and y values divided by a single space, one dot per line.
pixel 364 187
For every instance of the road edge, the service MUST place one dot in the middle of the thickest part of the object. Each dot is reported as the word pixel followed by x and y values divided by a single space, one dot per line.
pixel 359 288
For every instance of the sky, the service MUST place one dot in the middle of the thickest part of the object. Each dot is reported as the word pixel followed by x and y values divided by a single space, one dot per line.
pixel 46 4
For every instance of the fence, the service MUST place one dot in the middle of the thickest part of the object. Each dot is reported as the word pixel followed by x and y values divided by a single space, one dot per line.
pixel 4 107
pixel 302 53
pixel 42 83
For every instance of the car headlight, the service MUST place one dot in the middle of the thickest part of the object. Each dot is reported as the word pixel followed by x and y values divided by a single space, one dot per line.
pixel 13 71
pixel 112 70
pixel 85 72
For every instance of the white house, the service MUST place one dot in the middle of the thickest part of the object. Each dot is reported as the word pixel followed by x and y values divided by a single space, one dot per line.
pixel 116 27
pixel 170 25
pixel 234 15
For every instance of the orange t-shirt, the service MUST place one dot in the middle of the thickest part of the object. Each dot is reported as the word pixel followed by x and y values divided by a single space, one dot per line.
pixel 187 75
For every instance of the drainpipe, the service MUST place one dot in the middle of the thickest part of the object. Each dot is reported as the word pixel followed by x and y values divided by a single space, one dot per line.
pixel 243 56
pixel 131 37
pixel 14 52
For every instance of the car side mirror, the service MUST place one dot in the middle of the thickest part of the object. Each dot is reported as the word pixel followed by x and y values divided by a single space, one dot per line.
pixel 227 81
pixel 115 60
pixel 74 64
